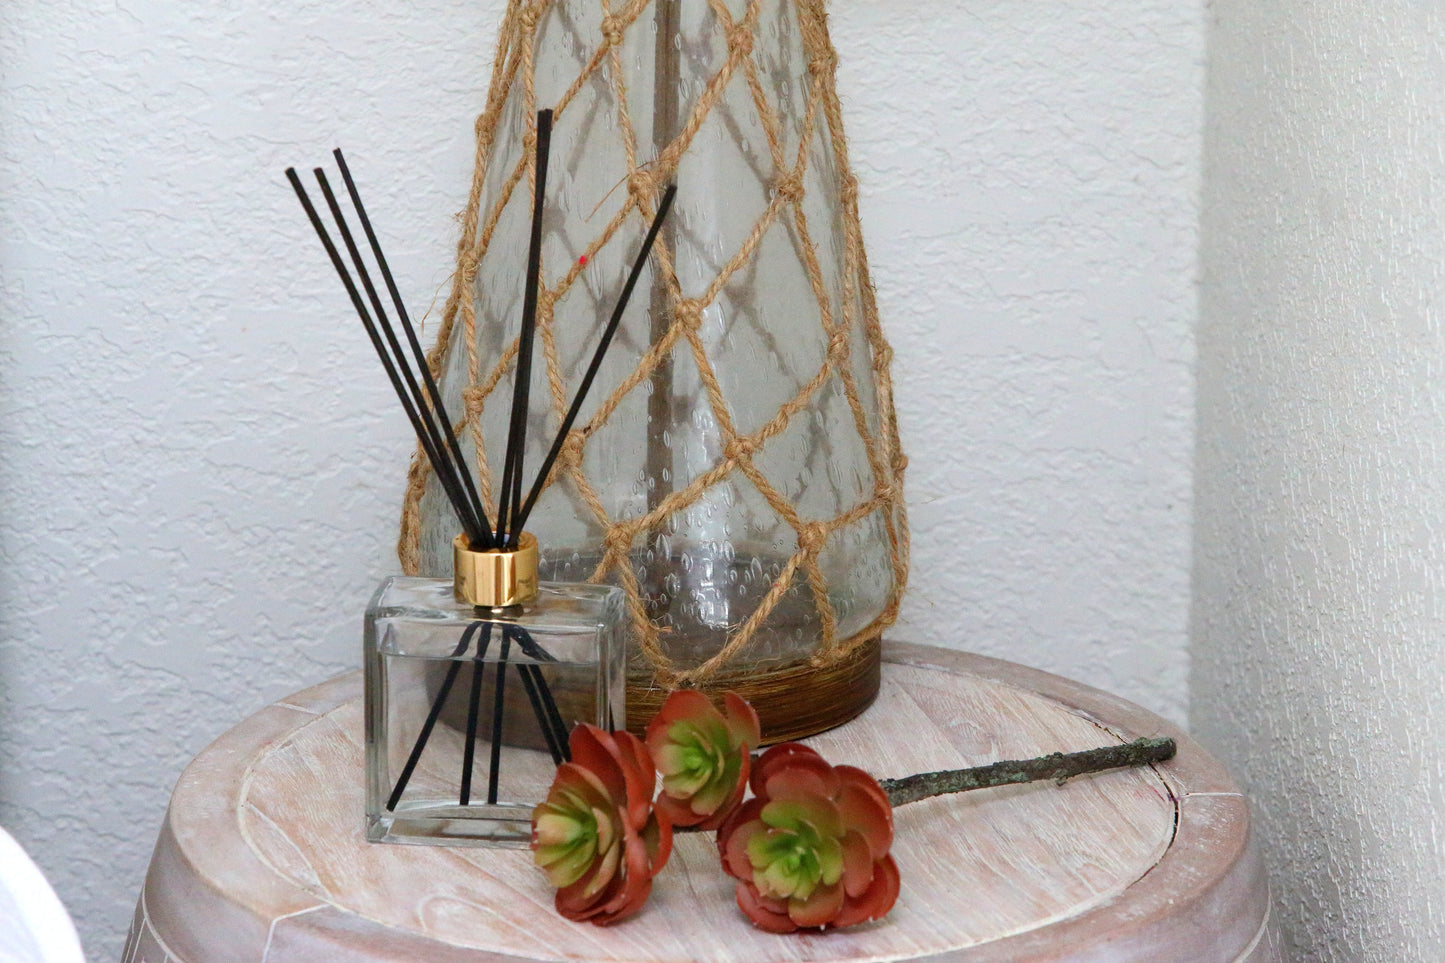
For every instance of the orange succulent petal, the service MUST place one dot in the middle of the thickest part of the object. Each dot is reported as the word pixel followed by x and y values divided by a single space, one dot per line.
pixel 875 903
pixel 750 810
pixel 657 835
pixel 783 755
pixel 864 807
pixel 636 757
pixel 634 898
pixel 857 864
pixel 742 720
pixel 811 771
pixel 717 818
pixel 621 762
pixel 863 780
pixel 680 705
pixel 595 752
pixel 766 914
pixel 573 903
pixel 819 909
pixel 636 885
pixel 800 805
pixel 734 843
pixel 603 873
pixel 678 812
pixel 640 776
pixel 574 787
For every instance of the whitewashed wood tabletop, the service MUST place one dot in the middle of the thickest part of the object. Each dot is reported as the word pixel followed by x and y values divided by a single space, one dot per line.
pixel 261 858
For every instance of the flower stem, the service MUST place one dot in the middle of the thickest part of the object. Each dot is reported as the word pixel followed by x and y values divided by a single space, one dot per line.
pixel 1058 766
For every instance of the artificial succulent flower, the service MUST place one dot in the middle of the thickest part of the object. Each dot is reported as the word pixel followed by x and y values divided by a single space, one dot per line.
pixel 597 835
pixel 810 849
pixel 703 756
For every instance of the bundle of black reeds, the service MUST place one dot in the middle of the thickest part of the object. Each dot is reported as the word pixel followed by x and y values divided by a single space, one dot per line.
pixel 428 417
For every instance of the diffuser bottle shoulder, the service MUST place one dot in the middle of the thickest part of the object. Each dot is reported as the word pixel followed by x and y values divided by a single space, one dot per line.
pixel 560 605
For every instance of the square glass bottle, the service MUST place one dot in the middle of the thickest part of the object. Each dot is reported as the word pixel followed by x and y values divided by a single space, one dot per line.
pixel 448 663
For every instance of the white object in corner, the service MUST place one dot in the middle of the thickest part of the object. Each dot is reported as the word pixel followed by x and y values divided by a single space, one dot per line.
pixel 34 927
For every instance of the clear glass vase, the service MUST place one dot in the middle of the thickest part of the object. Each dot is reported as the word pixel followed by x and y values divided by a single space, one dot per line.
pixel 736 469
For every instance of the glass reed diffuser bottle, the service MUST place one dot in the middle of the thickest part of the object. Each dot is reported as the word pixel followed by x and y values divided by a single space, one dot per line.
pixel 474 683
pixel 472 687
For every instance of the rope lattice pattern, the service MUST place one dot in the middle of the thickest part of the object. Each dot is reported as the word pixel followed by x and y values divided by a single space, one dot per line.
pixel 514 76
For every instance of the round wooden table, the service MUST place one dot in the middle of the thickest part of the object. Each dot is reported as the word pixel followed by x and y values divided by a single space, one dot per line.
pixel 262 860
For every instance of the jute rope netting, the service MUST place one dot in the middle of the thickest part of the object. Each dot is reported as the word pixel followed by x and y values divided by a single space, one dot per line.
pixel 514 74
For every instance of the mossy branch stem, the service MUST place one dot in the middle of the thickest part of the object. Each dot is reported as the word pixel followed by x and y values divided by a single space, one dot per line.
pixel 1057 766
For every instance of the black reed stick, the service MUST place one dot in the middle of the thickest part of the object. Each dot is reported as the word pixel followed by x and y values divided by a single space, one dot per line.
pixel 508 533
pixel 432 716
pixel 478 672
pixel 438 462
pixel 444 452
pixel 498 705
pixel 432 389
pixel 453 474
pixel 531 678
pixel 403 366
pixel 667 198
pixel 548 715
pixel 473 704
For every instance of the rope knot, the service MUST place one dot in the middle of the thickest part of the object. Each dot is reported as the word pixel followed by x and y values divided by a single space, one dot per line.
pixel 838 345
pixel 884 354
pixel 812 537
pixel 467 264
pixel 618 539
pixel 472 398
pixel 823 64
pixel 612 30
pixel 571 454
pixel 900 464
pixel 740 40
pixel 641 184
pixel 883 491
pixel 740 448
pixel 689 314
pixel 789 187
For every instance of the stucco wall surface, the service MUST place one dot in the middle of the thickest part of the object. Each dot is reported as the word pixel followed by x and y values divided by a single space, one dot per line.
pixel 1319 604
pixel 202 465
pixel 1030 176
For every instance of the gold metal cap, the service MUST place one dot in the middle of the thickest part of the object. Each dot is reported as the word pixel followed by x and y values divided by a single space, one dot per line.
pixel 495 578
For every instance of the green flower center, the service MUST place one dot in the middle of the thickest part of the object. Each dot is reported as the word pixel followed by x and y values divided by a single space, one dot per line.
pixel 573 839
pixel 697 758
pixel 698 761
pixel 791 858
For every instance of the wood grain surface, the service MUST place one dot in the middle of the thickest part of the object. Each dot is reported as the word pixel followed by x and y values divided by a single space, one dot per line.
pixel 262 856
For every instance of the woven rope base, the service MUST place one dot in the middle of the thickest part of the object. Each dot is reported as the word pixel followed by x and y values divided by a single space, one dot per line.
pixel 792 701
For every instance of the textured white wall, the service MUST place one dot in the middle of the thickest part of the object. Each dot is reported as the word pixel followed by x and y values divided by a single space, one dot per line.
pixel 1030 174
pixel 202 467
pixel 1320 568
